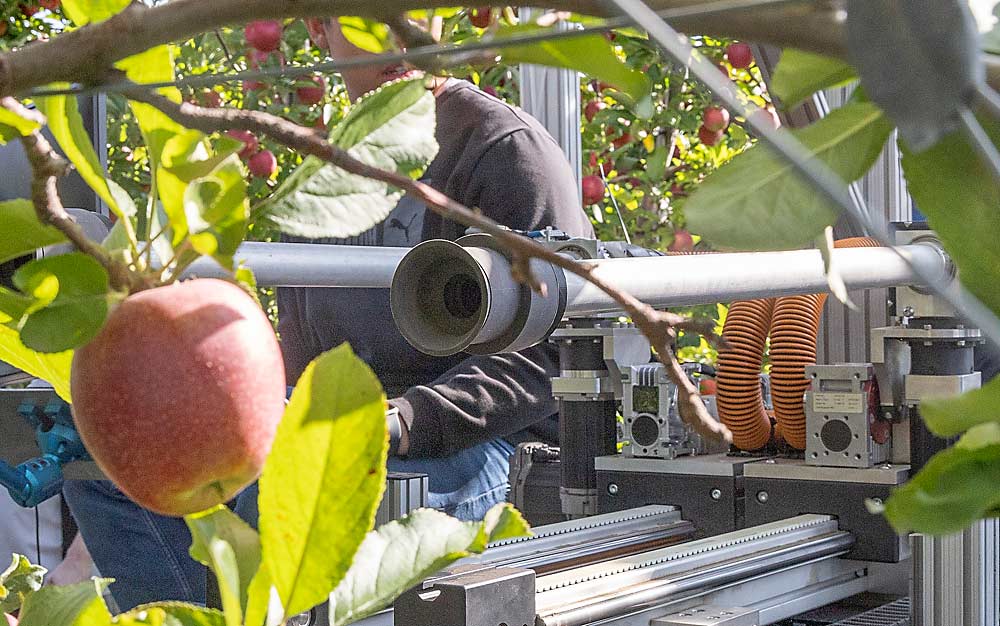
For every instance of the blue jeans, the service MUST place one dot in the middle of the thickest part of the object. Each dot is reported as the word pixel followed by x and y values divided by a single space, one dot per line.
pixel 147 554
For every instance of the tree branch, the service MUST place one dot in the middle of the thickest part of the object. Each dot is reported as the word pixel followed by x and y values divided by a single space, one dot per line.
pixel 87 55
pixel 47 166
pixel 658 326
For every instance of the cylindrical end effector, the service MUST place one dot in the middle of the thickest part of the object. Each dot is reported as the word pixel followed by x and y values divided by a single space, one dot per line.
pixel 446 298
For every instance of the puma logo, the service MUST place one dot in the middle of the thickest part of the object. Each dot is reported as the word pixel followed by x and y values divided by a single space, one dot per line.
pixel 396 223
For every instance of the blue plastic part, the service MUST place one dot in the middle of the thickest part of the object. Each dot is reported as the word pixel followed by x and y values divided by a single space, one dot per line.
pixel 38 479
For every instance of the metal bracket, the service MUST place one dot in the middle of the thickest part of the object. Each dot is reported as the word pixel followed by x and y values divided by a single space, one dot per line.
pixel 491 597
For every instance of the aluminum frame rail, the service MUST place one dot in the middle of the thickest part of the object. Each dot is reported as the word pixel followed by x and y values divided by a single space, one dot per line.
pixel 778 570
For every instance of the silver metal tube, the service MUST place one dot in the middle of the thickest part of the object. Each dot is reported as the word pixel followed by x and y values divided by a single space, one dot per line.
pixel 310 265
pixel 431 324
pixel 701 279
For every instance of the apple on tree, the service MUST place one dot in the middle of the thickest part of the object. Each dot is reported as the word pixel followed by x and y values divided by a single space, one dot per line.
pixel 216 349
pixel 715 119
pixel 740 55
pixel 263 164
pixel 311 91
pixel 481 16
pixel 683 242
pixel 264 35
pixel 592 109
pixel 250 143
pixel 709 137
pixel 593 189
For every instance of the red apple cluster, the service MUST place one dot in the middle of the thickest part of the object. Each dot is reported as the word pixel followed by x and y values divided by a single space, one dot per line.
pixel 261 163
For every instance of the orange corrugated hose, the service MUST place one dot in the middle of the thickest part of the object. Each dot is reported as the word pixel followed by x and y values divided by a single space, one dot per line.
pixel 738 393
pixel 794 331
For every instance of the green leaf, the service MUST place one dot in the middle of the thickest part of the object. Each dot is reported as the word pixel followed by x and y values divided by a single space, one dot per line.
pixel 953 416
pixel 323 479
pixel 592 55
pixel 71 301
pixel 656 163
pixel 66 124
pixel 13 126
pixel 181 614
pixel 235 567
pixel 366 34
pixel 949 184
pixel 86 11
pixel 19 581
pixel 801 74
pixel 757 201
pixel 186 155
pixel 393 129
pixel 22 232
pixel 400 554
pixel 216 211
pixel 980 436
pixel 54 368
pixel 957 487
pixel 73 605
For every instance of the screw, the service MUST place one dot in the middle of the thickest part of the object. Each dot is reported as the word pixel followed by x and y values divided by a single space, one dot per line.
pixel 716 494
pixel 908 311
pixel 887 415
pixel 762 497
pixel 613 489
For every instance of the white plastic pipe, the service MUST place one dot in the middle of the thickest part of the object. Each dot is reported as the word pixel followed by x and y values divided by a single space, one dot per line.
pixel 311 265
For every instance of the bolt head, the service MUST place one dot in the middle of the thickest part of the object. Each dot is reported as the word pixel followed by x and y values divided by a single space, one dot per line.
pixel 613 489
pixel 762 497
pixel 716 494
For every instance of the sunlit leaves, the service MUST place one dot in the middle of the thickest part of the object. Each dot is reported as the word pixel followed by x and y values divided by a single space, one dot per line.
pixel 18 581
pixel 366 34
pixel 392 129
pixel 591 54
pixel 231 548
pixel 801 74
pixel 13 126
pixel 73 605
pixel 758 201
pixel 54 368
pixel 323 480
pixel 71 297
pixel 22 232
pixel 83 12
pixel 66 125
pixel 402 553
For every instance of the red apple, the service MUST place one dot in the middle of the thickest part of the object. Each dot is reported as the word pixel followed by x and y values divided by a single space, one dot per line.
pixel 257 59
pixel 708 137
pixel 682 241
pixel 677 191
pixel 179 395
pixel 51 5
pixel 593 160
pixel 593 189
pixel 740 55
pixel 264 35
pixel 312 93
pixel 481 16
pixel 490 90
pixel 592 108
pixel 707 387
pixel 715 119
pixel 249 86
pixel 28 9
pixel 317 32
pixel 211 98
pixel 250 143
pixel 622 140
pixel 263 164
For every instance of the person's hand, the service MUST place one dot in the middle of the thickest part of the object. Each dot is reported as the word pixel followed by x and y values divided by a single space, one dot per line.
pixel 11 620
pixel 316 32
pixel 77 567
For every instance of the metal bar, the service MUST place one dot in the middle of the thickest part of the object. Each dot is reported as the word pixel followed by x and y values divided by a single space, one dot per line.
pixel 702 579
pixel 310 265
pixel 700 279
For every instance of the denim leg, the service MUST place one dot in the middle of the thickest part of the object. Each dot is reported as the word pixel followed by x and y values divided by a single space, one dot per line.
pixel 464 485
pixel 146 553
